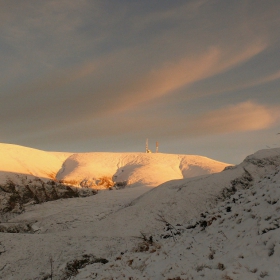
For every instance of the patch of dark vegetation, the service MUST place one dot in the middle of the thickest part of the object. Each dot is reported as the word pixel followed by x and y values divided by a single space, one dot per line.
pixel 73 266
pixel 230 167
pixel 262 162
pixel 16 228
pixel 120 185
pixel 171 230
pixel 15 196
pixel 243 182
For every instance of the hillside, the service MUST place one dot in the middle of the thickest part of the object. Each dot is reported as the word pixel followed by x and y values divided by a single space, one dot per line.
pixel 219 226
pixel 136 168
pixel 30 176
pixel 238 238
pixel 21 160
pixel 88 168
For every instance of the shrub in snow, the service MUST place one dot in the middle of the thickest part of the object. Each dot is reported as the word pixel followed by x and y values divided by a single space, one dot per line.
pixel 106 182
pixel 73 266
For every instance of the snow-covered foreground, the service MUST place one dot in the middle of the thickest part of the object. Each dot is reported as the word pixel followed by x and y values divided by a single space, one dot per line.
pixel 239 238
pixel 219 226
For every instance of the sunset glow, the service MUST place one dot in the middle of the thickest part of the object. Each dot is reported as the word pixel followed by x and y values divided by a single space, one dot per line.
pixel 83 76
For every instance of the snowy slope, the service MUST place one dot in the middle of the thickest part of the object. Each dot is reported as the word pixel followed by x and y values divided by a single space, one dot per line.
pixel 136 168
pixel 132 168
pixel 229 225
pixel 239 238
pixel 26 161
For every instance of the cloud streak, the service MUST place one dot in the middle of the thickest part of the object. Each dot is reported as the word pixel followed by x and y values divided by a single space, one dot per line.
pixel 173 76
pixel 242 117
pixel 77 71
pixel 96 98
pixel 245 116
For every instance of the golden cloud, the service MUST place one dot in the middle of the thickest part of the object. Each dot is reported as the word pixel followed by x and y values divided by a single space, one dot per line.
pixel 245 116
pixel 243 85
pixel 171 76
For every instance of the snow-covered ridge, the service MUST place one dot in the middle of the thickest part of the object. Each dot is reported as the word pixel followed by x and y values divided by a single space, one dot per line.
pixel 225 226
pixel 32 176
pixel 29 162
pixel 238 238
pixel 136 168
pixel 132 168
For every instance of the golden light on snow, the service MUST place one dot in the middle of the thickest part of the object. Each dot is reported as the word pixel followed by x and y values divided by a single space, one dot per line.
pixel 149 170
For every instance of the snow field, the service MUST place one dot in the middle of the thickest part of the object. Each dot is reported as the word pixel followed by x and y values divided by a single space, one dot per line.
pixel 219 226
pixel 237 239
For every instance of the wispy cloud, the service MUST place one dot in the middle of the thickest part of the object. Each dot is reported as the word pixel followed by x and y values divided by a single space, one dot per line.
pixel 102 102
pixel 174 75
pixel 242 117
pixel 85 84
pixel 256 82
pixel 92 69
pixel 264 80
pixel 245 116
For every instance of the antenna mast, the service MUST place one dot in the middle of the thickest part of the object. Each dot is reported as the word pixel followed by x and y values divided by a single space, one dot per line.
pixel 147 145
pixel 157 147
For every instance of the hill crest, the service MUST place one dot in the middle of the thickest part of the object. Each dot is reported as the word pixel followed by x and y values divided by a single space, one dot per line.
pixel 132 168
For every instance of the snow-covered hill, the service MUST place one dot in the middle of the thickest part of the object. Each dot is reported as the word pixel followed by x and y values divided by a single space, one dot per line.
pixel 88 168
pixel 135 168
pixel 30 176
pixel 29 162
pixel 238 237
pixel 219 226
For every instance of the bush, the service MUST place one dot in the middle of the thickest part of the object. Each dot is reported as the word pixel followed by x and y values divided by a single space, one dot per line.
pixel 106 181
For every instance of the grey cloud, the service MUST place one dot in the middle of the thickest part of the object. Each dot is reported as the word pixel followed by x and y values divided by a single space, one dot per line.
pixel 78 64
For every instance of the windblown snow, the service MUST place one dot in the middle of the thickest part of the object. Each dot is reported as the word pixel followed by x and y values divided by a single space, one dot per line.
pixel 210 226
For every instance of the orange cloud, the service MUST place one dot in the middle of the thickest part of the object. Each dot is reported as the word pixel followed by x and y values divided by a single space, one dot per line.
pixel 264 80
pixel 244 85
pixel 246 116
pixel 172 76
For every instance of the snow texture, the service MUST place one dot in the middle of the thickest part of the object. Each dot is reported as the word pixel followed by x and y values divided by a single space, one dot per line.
pixel 87 169
pixel 213 226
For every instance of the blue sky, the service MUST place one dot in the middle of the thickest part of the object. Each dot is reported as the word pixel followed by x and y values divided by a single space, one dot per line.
pixel 201 77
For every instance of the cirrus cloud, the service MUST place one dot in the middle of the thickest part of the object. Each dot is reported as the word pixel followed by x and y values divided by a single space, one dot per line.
pixel 245 116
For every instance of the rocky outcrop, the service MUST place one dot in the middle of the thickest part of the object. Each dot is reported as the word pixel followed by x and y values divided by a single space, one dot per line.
pixel 15 196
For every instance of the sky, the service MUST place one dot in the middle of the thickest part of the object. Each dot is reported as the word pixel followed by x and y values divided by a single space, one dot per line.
pixel 198 76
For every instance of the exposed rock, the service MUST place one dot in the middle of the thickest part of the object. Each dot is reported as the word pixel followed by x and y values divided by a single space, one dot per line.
pixel 13 196
pixel 16 228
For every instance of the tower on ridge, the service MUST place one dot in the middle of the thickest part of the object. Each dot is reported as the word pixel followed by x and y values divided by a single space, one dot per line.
pixel 147 147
